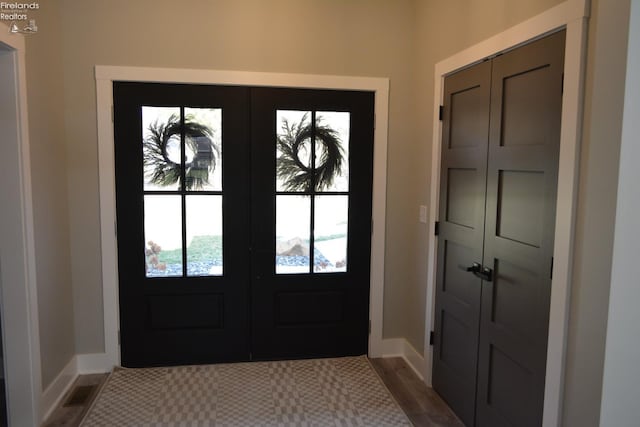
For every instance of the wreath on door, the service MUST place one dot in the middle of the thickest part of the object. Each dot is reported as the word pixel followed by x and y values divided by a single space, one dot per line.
pixel 329 160
pixel 201 153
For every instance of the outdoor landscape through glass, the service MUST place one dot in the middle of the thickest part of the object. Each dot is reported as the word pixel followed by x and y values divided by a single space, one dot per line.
pixel 182 168
pixel 312 191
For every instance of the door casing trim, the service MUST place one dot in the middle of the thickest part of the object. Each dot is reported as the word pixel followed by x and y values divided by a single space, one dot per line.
pixel 571 15
pixel 105 76
pixel 18 286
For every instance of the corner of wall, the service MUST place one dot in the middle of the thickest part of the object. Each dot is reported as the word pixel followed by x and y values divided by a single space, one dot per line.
pixel 400 347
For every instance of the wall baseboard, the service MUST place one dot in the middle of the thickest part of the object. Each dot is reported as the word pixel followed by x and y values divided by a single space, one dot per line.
pixel 400 347
pixel 98 363
pixel 54 393
pixel 80 364
pixel 94 363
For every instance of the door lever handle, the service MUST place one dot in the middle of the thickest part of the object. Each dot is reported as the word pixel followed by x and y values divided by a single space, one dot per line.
pixel 485 274
pixel 475 267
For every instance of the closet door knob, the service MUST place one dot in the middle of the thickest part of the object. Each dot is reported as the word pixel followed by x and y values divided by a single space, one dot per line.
pixel 474 268
pixel 485 274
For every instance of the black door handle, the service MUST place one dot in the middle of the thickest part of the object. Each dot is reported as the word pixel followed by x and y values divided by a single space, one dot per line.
pixel 485 274
pixel 475 267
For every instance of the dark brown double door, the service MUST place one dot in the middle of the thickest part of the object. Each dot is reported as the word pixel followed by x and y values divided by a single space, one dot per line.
pixel 243 221
pixel 500 147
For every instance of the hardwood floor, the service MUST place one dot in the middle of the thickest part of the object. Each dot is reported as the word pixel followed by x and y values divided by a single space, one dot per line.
pixel 422 405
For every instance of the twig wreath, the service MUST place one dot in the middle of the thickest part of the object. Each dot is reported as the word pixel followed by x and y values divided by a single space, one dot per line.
pixel 294 173
pixel 198 139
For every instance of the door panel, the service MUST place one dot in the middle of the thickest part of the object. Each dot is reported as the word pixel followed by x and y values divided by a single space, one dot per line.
pixel 462 195
pixel 522 173
pixel 171 311
pixel 322 306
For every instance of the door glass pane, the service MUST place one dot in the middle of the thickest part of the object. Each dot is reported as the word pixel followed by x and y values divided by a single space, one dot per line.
pixel 161 148
pixel 203 149
pixel 332 151
pixel 330 234
pixel 293 222
pixel 163 235
pixel 293 155
pixel 204 235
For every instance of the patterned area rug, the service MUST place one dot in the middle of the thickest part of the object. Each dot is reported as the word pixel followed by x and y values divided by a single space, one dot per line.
pixel 320 392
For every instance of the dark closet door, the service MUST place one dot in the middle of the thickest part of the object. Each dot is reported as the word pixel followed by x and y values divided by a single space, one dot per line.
pixel 462 211
pixel 524 141
pixel 500 146
pixel 311 237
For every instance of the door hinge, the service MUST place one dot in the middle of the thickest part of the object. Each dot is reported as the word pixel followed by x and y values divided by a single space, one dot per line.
pixel 369 326
pixel 551 272
pixel 436 228
pixel 441 113
pixel 431 337
pixel 112 114
pixel 562 85
pixel 118 337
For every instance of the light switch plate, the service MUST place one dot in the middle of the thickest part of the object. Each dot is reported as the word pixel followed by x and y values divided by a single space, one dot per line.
pixel 423 214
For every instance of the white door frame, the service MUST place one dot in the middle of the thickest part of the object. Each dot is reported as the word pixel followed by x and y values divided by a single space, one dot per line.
pixel 571 15
pixel 18 291
pixel 106 75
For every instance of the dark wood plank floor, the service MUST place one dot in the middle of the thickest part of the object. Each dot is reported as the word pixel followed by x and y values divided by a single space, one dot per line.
pixel 423 405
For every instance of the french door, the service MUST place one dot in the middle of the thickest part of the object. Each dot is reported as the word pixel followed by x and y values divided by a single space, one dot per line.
pixel 499 172
pixel 244 221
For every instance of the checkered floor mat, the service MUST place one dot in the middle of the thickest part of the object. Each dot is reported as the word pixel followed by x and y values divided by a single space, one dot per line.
pixel 341 392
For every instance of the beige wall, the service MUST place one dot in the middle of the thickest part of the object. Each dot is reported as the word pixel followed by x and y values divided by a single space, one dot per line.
pixel 399 39
pixel 49 181
pixel 355 37
pixel 620 393
pixel 366 38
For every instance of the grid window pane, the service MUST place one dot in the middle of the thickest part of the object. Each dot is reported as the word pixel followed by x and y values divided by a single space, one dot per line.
pixel 293 222
pixel 161 148
pixel 332 151
pixel 163 235
pixel 203 149
pixel 204 235
pixel 293 150
pixel 330 234
pixel 312 156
